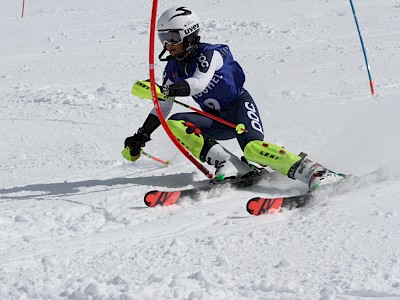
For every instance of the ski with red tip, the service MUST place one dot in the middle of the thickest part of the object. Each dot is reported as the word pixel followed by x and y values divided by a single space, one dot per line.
pixel 154 198
pixel 258 206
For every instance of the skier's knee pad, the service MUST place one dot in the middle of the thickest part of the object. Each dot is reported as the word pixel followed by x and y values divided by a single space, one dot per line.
pixel 188 135
pixel 271 155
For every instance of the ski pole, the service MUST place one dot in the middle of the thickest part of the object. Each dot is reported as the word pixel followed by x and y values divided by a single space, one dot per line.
pixel 165 162
pixel 239 127
pixel 23 7
pixel 371 83
pixel 141 89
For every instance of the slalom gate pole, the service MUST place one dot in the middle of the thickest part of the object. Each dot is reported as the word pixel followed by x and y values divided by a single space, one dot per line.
pixel 371 83
pixel 155 98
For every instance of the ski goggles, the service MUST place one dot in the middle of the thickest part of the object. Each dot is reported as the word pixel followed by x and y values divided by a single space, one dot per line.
pixel 170 37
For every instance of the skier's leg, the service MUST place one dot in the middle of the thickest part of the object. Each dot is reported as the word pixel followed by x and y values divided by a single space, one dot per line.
pixel 271 155
pixel 186 127
pixel 287 163
pixel 245 111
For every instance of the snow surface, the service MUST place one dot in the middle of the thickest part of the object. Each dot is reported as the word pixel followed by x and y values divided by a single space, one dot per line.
pixel 73 224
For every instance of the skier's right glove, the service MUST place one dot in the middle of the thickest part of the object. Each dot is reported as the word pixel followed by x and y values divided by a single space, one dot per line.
pixel 133 145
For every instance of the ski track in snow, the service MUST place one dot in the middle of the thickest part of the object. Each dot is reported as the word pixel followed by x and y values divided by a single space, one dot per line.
pixel 73 224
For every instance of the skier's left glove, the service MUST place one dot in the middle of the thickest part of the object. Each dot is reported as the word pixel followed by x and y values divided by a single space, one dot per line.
pixel 133 145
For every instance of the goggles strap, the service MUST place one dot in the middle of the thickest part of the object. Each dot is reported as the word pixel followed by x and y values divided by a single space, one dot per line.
pixel 160 56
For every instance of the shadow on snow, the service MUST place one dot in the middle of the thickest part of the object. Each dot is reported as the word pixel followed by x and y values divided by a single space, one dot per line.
pixel 34 191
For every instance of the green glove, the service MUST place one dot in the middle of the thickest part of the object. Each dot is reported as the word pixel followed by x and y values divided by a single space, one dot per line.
pixel 126 153
pixel 133 145
pixel 141 89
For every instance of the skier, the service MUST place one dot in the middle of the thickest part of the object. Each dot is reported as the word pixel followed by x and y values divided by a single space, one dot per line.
pixel 210 75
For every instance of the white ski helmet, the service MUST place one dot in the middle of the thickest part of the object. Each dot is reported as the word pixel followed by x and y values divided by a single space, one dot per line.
pixel 179 24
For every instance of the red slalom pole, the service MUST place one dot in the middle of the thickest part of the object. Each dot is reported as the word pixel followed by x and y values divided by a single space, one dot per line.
pixel 155 98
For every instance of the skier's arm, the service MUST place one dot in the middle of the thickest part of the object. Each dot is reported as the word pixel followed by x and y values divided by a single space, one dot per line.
pixel 133 144
pixel 207 65
pixel 165 106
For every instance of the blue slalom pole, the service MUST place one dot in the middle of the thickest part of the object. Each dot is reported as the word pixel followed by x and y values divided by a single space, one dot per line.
pixel 371 83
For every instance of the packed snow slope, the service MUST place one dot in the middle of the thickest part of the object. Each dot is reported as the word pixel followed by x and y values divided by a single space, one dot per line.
pixel 73 224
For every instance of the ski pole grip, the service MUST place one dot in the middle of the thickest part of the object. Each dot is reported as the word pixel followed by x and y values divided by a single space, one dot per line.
pixel 141 89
